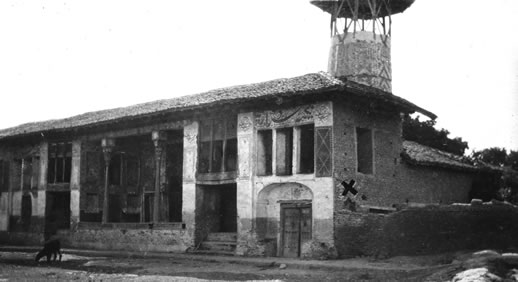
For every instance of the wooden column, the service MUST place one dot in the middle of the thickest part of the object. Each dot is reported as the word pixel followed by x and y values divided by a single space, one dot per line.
pixel 107 146
pixel 158 140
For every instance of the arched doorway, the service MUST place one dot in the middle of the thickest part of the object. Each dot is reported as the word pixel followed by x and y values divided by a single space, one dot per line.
pixel 284 217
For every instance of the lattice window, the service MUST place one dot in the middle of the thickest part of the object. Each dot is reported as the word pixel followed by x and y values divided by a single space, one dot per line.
pixel 324 151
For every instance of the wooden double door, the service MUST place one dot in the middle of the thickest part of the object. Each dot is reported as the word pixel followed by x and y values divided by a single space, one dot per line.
pixel 296 226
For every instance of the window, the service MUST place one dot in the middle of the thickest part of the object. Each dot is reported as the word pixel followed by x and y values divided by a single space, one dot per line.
pixel 4 176
pixel 307 149
pixel 264 152
pixel 364 150
pixel 218 146
pixel 298 140
pixel 60 163
pixel 284 151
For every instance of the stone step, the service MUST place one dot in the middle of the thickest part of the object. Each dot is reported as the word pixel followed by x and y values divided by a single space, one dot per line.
pixel 222 236
pixel 213 252
pixel 218 246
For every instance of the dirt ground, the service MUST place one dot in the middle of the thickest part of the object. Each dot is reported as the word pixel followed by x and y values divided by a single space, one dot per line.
pixel 20 266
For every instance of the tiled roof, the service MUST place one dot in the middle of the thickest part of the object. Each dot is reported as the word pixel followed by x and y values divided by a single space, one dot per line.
pixel 301 85
pixel 418 154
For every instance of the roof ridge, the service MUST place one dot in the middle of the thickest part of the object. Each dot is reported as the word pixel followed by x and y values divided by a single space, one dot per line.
pixel 305 83
pixel 420 154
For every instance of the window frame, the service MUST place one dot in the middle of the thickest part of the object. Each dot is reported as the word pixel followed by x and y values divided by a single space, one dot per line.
pixel 265 152
pixel 301 168
pixel 226 138
pixel 293 165
pixel 288 152
pixel 66 163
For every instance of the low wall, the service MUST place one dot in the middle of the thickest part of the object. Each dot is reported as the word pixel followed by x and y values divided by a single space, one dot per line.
pixel 21 238
pixel 95 236
pixel 428 230
pixel 131 239
pixel 24 233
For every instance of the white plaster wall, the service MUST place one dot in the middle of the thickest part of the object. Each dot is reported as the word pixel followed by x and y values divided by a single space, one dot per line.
pixel 74 203
pixel 190 151
pixel 189 200
pixel 40 204
pixel 245 196
pixel 75 181
pixel 4 212
pixel 44 161
pixel 190 154
pixel 16 203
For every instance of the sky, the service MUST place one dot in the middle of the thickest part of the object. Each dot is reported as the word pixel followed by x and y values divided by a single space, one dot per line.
pixel 455 58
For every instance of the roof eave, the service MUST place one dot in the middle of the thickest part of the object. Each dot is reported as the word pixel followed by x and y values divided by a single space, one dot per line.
pixel 173 110
pixel 376 93
pixel 409 160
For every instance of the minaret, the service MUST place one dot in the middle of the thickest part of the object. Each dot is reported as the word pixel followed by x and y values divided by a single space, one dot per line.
pixel 360 45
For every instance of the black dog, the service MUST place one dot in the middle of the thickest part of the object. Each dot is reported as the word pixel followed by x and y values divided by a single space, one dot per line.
pixel 51 247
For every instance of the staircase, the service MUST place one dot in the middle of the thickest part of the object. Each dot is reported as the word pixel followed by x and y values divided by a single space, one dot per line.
pixel 220 243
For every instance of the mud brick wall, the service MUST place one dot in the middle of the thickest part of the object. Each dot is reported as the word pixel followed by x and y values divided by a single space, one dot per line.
pixel 356 234
pixel 422 184
pixel 429 230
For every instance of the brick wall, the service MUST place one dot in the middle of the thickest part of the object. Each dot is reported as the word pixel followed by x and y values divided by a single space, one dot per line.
pixel 375 188
pixel 392 182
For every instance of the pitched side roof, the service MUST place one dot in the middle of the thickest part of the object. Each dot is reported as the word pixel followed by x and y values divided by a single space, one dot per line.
pixel 306 84
pixel 417 154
